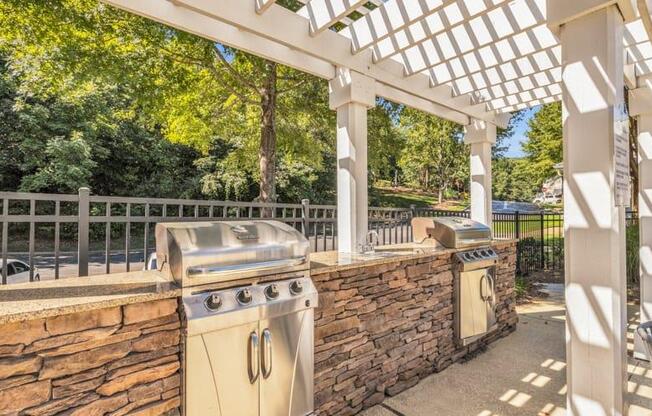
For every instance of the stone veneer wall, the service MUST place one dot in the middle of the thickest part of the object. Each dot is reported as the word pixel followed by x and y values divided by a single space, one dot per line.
pixel 118 361
pixel 380 329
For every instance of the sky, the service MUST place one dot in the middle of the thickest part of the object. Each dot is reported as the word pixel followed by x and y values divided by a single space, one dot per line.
pixel 514 149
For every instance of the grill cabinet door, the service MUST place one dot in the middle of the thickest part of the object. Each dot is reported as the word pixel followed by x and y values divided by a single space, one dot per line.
pixel 287 367
pixel 473 307
pixel 218 372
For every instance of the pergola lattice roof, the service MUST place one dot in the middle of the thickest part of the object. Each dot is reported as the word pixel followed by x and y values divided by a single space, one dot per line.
pixel 459 59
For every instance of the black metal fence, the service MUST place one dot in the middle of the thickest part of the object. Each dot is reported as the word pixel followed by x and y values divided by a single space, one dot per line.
pixel 540 238
pixel 85 234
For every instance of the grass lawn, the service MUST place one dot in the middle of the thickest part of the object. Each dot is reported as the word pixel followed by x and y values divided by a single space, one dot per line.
pixel 401 197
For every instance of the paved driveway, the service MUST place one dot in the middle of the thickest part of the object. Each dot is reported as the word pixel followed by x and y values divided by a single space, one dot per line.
pixel 523 374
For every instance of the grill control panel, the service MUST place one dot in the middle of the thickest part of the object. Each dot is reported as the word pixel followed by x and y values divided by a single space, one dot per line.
pixel 264 294
pixel 477 258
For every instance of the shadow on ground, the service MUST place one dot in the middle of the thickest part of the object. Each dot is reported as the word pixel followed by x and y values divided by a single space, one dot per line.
pixel 523 374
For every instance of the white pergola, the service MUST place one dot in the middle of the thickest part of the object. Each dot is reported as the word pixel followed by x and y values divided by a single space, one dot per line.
pixel 474 62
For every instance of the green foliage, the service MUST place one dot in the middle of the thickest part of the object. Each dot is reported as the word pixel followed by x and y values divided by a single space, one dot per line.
pixel 94 96
pixel 521 288
pixel 521 179
pixel 512 180
pixel 69 166
pixel 544 147
pixel 434 156
pixel 632 253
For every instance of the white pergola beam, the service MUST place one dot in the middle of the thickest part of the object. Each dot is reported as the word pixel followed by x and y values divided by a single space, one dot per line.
pixel 530 104
pixel 398 96
pixel 189 21
pixel 531 96
pixel 204 26
pixel 389 18
pixel 262 5
pixel 472 25
pixel 324 13
pixel 518 85
pixel 501 49
pixel 567 11
pixel 329 46
pixel 534 65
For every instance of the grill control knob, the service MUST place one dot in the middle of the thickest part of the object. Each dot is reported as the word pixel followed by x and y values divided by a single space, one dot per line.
pixel 213 302
pixel 244 296
pixel 296 287
pixel 271 291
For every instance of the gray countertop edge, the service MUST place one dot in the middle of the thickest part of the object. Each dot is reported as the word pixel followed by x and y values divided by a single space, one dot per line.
pixel 330 262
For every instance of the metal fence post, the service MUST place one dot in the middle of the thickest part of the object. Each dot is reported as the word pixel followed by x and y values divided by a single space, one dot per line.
pixel 83 230
pixel 305 217
pixel 543 262
pixel 413 213
pixel 517 236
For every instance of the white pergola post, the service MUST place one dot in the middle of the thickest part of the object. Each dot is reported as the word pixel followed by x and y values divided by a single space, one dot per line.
pixel 640 105
pixel 351 94
pixel 594 218
pixel 481 136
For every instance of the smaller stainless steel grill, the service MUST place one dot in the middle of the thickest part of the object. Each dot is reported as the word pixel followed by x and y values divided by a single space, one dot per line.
pixel 451 232
pixel 475 271
pixel 248 302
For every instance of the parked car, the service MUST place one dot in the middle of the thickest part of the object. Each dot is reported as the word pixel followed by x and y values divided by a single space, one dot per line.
pixel 18 272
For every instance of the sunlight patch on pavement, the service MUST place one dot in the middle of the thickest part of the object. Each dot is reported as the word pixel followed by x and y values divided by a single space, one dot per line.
pixel 639 389
pixel 552 410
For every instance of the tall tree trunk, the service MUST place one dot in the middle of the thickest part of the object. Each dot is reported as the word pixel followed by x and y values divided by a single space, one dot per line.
pixel 267 150
pixel 440 195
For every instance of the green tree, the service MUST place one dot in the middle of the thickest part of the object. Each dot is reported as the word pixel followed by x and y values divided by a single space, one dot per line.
pixel 197 92
pixel 434 156
pixel 544 145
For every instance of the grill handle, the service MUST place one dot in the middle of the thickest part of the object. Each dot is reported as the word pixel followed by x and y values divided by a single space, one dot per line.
pixel 214 270
pixel 484 283
pixel 253 361
pixel 267 353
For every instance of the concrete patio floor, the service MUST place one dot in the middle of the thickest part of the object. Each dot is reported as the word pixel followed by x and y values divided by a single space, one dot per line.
pixel 523 374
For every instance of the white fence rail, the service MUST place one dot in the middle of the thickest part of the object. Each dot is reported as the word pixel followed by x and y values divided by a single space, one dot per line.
pixel 117 232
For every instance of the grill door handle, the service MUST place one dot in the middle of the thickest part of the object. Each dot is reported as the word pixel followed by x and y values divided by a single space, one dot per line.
pixel 267 353
pixel 253 361
pixel 483 282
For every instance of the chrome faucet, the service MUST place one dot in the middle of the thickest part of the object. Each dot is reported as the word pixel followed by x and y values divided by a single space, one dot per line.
pixel 371 241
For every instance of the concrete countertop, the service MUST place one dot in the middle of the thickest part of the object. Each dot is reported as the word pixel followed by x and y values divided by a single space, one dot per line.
pixel 26 301
pixel 332 261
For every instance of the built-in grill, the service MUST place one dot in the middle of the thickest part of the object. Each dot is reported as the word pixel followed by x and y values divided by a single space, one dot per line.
pixel 475 271
pixel 249 306
pixel 451 232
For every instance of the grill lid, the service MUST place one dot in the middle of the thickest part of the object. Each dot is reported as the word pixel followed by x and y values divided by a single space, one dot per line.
pixel 196 253
pixel 452 232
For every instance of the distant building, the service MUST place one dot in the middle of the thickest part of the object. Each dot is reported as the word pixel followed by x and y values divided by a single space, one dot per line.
pixel 552 189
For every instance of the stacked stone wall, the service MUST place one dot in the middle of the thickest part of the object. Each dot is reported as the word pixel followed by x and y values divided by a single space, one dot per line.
pixel 380 329
pixel 116 361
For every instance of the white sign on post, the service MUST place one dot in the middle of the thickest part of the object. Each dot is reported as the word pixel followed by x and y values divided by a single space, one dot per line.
pixel 621 155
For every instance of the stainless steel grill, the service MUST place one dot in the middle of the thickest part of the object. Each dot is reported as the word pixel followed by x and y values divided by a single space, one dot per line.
pixel 452 232
pixel 475 271
pixel 249 306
